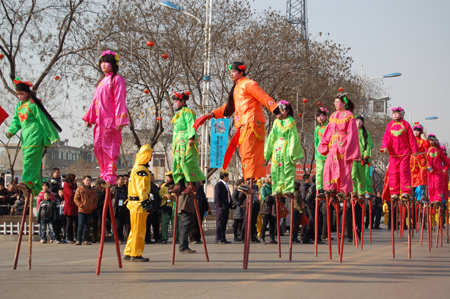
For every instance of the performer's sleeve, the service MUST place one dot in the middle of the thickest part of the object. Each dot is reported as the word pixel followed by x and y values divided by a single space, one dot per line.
pixel 218 113
pixel 89 116
pixel 316 138
pixel 368 151
pixel 142 182
pixel 189 118
pixel 46 124
pixel 15 123
pixel 261 96
pixel 120 101
pixel 270 141
pixel 386 143
pixel 444 158
pixel 325 141
pixel 352 150
pixel 411 138
pixel 295 149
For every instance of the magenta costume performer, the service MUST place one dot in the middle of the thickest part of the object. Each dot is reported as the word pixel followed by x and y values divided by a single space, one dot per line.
pixel 108 111
pixel 437 161
pixel 341 145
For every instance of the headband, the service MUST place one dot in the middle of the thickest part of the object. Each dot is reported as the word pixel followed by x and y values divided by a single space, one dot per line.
pixel 108 52
pixel 399 110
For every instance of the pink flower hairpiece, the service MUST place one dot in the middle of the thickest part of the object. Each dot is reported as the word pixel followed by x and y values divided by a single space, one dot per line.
pixel 108 52
pixel 283 104
pixel 398 109
pixel 444 148
pixel 324 109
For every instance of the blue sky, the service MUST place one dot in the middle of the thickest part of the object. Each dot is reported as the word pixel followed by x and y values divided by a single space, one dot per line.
pixel 410 37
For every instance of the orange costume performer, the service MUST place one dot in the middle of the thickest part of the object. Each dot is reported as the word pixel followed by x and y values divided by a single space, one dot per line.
pixel 246 100
pixel 419 163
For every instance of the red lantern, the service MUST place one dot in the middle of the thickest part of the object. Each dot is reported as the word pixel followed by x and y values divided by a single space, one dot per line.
pixel 2 56
pixel 300 115
pixel 146 91
pixel 319 103
pixel 165 56
pixel 305 101
pixel 159 118
pixel 150 44
pixel 56 77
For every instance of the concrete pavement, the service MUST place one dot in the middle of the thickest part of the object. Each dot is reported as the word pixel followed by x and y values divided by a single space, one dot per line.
pixel 68 271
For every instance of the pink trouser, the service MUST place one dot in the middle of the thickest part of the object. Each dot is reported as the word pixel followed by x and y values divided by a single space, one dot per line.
pixel 399 174
pixel 107 150
pixel 435 186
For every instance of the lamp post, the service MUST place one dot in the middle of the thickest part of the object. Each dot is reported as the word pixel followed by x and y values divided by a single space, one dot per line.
pixel 391 75
pixel 426 118
pixel 206 77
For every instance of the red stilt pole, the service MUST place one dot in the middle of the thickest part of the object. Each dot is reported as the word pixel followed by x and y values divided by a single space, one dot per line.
pixel 423 225
pixel 175 226
pixel 402 221
pixel 113 222
pixel 199 219
pixel 336 208
pixel 102 236
pixel 370 221
pixel 344 218
pixel 418 210
pixel 291 230
pixel 412 218
pixel 22 225
pixel 437 224
pixel 430 229
pixel 393 227
pixel 278 226
pixel 441 222
pixel 248 226
pixel 355 233
pixel 362 222
pixel 398 217
pixel 446 225
pixel 328 226
pixel 316 226
pixel 409 230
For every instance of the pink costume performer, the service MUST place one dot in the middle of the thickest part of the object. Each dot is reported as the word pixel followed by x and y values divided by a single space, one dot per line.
pixel 437 162
pixel 400 142
pixel 341 145
pixel 108 111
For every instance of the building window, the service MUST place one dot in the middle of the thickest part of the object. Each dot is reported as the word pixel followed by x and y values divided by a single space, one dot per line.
pixel 159 160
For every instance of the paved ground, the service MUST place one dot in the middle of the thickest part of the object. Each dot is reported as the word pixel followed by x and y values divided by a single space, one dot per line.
pixel 69 271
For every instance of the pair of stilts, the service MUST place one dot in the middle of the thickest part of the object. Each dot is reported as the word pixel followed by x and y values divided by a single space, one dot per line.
pixel 400 203
pixel 430 209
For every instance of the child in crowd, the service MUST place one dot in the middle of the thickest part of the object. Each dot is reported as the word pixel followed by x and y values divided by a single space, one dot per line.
pixel 86 201
pixel 45 216
pixel 60 222
pixel 40 197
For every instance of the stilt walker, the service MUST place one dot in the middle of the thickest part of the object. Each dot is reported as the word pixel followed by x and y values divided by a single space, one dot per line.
pixel 284 146
pixel 39 131
pixel 246 98
pixel 399 141
pixel 340 144
pixel 108 112
pixel 445 195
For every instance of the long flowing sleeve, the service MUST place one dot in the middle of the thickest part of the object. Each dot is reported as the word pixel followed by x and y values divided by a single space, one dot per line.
pixel 295 149
pixel 352 150
pixel 49 129
pixel 260 95
pixel 368 152
pixel 120 101
pixel 189 118
pixel 15 123
pixel 444 158
pixel 89 116
pixel 387 138
pixel 326 138
pixel 218 113
pixel 270 142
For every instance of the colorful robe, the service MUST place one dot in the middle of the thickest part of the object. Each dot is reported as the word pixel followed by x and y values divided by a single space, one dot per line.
pixel 359 172
pixel 250 121
pixel 419 163
pixel 437 161
pixel 320 159
pixel 37 132
pixel 185 157
pixel 340 143
pixel 284 146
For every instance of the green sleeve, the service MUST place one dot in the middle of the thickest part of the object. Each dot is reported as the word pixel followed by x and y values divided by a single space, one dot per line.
pixel 294 149
pixel 15 123
pixel 368 151
pixel 316 138
pixel 49 129
pixel 189 118
pixel 270 141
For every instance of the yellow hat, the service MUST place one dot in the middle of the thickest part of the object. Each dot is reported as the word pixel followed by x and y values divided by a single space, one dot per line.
pixel 144 155
pixel 169 173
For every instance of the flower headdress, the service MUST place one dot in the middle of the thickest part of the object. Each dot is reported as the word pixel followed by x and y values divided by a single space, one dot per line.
pixel 432 137
pixel 283 105
pixel 180 96
pixel 323 109
pixel 238 66
pixel 18 81
pixel 109 52
pixel 343 96
pixel 417 126
pixel 444 148
pixel 399 110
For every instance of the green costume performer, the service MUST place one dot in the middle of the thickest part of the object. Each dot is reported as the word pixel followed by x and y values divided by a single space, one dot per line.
pixel 360 174
pixel 38 131
pixel 185 157
pixel 284 145
pixel 320 159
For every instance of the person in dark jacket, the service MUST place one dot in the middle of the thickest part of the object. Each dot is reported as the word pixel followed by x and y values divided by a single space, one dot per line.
pixel 100 185
pixel 268 211
pixel 255 211
pixel 222 199
pixel 298 211
pixel 45 216
pixel 186 211
pixel 203 207
pixel 238 213
pixel 119 195
pixel 4 200
pixel 54 181
pixel 60 222
pixel 310 200
pixel 70 208
pixel 153 218
pixel 378 207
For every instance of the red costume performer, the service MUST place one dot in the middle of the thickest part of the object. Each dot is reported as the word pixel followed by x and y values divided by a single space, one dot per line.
pixel 446 178
pixel 419 163
pixel 399 141
pixel 437 161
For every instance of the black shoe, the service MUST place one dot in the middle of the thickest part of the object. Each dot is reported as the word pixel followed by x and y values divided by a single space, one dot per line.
pixel 320 242
pixel 139 259
pixel 164 242
pixel 326 238
pixel 236 239
pixel 126 257
pixel 151 242
pixel 273 242
pixel 256 241
pixel 197 242
pixel 158 241
pixel 307 242
pixel 377 228
pixel 296 241
pixel 226 242
pixel 350 240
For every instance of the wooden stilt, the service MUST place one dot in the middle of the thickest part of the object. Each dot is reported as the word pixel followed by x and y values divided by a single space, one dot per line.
pixel 248 226
pixel 22 224
pixel 409 230
pixel 199 219
pixel 30 220
pixel 344 217
pixel 316 226
pixel 328 202
pixel 363 207
pixel 278 225
pixel 393 225
pixel 291 230
pixel 370 221
pixel 175 226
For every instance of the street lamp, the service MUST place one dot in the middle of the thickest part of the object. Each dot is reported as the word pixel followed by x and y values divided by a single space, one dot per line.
pixel 206 77
pixel 426 118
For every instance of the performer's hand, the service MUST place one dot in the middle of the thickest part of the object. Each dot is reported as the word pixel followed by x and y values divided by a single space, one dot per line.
pixel 210 115
pixel 119 128
pixel 88 124
pixel 383 150
pixel 357 160
pixel 191 141
pixel 9 135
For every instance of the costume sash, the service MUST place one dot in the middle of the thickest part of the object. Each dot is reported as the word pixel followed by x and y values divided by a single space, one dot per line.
pixel 231 148
pixel 3 115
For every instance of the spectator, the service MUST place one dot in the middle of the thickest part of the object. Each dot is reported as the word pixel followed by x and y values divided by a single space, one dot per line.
pixel 238 213
pixel 166 206
pixel 126 179
pixel 186 211
pixel 70 208
pixel 55 181
pixel 153 218
pixel 2 179
pixel 13 194
pixel 310 199
pixel 203 207
pixel 222 199
pixel 255 210
pixel 4 200
pixel 268 211
pixel 86 200
pixel 378 210
pixel 97 214
pixel 298 211
pixel 303 190
pixel 119 194
pixel 367 212
pixel 16 181
pixel 45 216
pixel 40 197
pixel 60 222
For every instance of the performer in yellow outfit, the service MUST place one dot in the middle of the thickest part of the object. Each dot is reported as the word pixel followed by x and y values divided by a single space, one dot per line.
pixel 386 213
pixel 138 191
